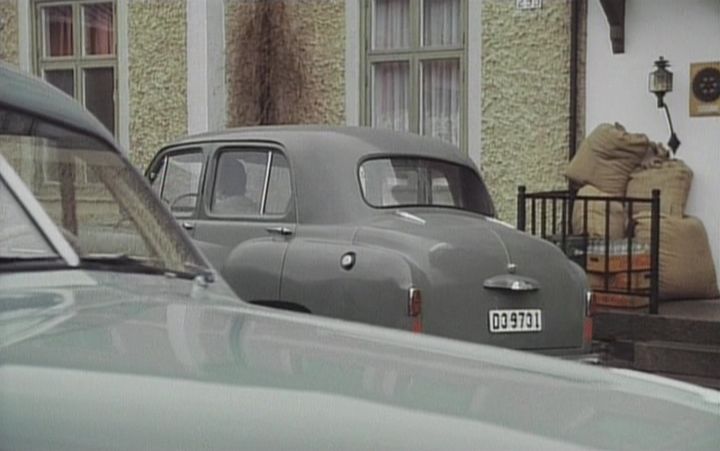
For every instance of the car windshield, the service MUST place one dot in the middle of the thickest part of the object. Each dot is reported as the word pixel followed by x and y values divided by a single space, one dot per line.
pixel 399 181
pixel 97 200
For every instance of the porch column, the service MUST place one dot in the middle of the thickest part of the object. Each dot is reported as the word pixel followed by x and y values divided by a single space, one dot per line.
pixel 205 65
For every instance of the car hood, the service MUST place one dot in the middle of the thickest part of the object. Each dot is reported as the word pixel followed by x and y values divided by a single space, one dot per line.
pixel 127 361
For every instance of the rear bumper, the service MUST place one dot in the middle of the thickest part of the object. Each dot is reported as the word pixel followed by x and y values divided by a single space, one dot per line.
pixel 591 358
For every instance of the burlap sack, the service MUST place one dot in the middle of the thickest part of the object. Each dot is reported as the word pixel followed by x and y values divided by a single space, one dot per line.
pixel 672 178
pixel 596 210
pixel 607 157
pixel 687 270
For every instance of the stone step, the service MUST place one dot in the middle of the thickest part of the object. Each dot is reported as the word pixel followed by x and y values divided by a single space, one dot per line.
pixel 678 358
pixel 611 326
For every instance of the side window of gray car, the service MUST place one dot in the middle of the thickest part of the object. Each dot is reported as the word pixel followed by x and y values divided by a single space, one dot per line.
pixel 176 179
pixel 251 182
pixel 239 182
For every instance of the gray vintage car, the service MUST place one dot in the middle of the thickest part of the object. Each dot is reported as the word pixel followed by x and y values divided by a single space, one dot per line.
pixel 374 226
pixel 115 334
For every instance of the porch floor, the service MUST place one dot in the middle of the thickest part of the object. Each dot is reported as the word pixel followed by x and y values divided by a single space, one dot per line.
pixel 708 309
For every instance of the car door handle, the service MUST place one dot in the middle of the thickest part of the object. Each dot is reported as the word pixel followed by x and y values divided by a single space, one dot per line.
pixel 284 231
pixel 188 225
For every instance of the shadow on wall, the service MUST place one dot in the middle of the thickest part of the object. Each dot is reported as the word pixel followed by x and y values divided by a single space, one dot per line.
pixel 267 66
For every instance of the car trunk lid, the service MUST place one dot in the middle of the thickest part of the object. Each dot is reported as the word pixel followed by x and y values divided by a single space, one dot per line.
pixel 475 271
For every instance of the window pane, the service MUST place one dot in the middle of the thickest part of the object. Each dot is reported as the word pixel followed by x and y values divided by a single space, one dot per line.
pixel 58 30
pixel 99 98
pixel 441 22
pixel 390 97
pixel 440 189
pixel 182 181
pixel 279 190
pixel 239 183
pixel 99 31
pixel 441 99
pixel 391 24
pixel 62 79
pixel 392 182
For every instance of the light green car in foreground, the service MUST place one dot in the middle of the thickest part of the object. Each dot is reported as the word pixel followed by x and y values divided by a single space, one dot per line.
pixel 116 334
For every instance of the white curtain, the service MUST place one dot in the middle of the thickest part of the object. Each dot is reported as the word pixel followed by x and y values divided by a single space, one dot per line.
pixel 441 99
pixel 391 108
pixel 391 30
pixel 441 22
pixel 391 24
pixel 440 113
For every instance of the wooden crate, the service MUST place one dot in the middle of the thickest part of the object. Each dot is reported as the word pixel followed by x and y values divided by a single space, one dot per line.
pixel 620 300
pixel 617 263
pixel 639 281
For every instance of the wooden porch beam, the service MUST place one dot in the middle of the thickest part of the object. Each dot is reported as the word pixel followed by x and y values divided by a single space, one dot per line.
pixel 615 13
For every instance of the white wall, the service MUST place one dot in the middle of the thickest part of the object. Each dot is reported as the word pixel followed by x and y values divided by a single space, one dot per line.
pixel 683 32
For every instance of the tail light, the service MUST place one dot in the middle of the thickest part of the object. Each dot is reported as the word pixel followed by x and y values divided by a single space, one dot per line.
pixel 414 302
pixel 414 308
pixel 588 302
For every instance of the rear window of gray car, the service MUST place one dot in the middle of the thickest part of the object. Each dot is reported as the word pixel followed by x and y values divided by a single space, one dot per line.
pixel 401 181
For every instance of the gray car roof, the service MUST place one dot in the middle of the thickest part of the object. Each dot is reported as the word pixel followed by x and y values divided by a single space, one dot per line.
pixel 26 93
pixel 354 142
pixel 324 159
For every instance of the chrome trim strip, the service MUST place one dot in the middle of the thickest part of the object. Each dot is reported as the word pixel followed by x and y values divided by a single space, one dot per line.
pixel 263 200
pixel 37 213
pixel 511 282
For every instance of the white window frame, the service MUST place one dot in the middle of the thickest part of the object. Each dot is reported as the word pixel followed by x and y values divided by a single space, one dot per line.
pixel 355 70
pixel 27 55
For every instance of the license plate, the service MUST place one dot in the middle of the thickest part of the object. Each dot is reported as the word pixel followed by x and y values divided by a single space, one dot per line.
pixel 515 320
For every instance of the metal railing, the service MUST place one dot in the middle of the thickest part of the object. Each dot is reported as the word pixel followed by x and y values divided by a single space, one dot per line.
pixel 549 215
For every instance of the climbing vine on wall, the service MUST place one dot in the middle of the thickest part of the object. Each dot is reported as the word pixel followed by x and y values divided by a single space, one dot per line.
pixel 268 72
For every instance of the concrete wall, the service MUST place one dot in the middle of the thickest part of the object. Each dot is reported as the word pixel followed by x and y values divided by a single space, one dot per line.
pixel 683 32
pixel 8 31
pixel 314 42
pixel 525 106
pixel 157 75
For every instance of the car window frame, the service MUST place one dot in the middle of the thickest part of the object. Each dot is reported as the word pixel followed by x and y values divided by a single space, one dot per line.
pixel 167 153
pixel 214 154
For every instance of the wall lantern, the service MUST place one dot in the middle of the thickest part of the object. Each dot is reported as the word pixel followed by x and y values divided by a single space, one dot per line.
pixel 660 82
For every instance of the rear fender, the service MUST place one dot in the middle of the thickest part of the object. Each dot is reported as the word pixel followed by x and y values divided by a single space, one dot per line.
pixel 374 289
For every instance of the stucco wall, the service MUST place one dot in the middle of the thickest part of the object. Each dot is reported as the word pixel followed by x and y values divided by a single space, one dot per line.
pixel 157 75
pixel 316 32
pixel 525 90
pixel 8 31
pixel 321 23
